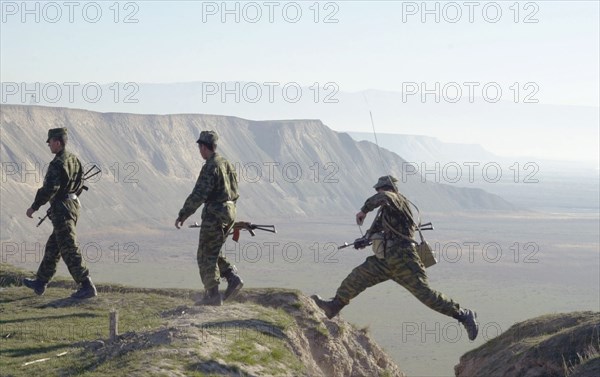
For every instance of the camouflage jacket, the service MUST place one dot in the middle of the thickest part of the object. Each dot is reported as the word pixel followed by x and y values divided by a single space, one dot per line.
pixel 395 211
pixel 216 184
pixel 64 176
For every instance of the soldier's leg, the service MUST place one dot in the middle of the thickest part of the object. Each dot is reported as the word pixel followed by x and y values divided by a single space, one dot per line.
pixel 409 272
pixel 223 265
pixel 228 270
pixel 222 262
pixel 47 268
pixel 209 248
pixel 373 271
pixel 66 238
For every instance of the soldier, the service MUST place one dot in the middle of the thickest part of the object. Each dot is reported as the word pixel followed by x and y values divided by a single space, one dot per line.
pixel 399 262
pixel 63 181
pixel 217 189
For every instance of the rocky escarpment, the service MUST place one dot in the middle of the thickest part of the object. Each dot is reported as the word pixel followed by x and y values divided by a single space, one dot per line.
pixel 561 345
pixel 149 164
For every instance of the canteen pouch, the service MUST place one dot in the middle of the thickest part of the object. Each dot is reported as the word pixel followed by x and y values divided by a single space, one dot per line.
pixel 426 254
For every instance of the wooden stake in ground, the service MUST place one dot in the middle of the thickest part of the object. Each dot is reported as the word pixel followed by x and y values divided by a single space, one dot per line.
pixel 113 325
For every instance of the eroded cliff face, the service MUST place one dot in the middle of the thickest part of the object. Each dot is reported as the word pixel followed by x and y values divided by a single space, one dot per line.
pixel 558 345
pixel 149 163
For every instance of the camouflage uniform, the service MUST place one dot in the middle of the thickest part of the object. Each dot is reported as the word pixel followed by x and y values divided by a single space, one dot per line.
pixel 401 262
pixel 64 177
pixel 217 189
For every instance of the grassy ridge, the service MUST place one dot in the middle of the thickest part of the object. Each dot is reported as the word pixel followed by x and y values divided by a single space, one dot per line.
pixel 56 335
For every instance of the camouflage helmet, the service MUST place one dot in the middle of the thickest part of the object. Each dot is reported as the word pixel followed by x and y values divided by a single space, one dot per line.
pixel 208 137
pixel 56 132
pixel 386 180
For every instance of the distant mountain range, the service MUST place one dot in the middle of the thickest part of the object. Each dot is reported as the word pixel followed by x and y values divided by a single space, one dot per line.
pixel 505 127
pixel 419 149
pixel 149 164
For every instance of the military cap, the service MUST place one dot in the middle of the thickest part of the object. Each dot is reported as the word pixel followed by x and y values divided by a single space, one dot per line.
pixel 208 137
pixel 56 132
pixel 386 180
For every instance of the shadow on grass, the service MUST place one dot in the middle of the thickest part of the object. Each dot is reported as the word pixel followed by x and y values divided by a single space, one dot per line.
pixel 26 351
pixel 73 315
pixel 214 368
pixel 63 303
pixel 5 300
pixel 263 327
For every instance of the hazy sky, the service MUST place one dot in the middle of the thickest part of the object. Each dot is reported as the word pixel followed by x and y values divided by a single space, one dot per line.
pixel 356 44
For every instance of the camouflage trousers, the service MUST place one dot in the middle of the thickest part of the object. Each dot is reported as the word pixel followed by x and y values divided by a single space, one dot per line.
pixel 213 232
pixel 62 243
pixel 402 265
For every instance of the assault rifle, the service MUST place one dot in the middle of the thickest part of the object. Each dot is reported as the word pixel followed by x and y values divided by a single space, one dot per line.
pixel 87 175
pixel 244 225
pixel 364 241
pixel 359 243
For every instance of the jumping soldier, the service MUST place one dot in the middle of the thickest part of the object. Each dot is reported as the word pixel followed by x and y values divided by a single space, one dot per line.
pixel 399 261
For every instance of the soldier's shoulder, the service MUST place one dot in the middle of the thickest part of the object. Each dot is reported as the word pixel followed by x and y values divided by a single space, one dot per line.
pixel 220 160
pixel 65 159
pixel 68 156
pixel 388 197
pixel 383 195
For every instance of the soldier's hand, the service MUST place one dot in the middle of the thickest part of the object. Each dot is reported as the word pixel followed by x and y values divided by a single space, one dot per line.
pixel 179 222
pixel 30 212
pixel 361 243
pixel 360 217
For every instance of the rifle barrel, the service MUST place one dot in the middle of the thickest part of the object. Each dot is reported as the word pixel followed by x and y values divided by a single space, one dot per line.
pixel 273 230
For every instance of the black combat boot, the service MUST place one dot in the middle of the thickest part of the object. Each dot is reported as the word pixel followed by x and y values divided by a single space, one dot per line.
pixel 212 297
pixel 234 283
pixel 468 318
pixel 331 308
pixel 38 286
pixel 86 290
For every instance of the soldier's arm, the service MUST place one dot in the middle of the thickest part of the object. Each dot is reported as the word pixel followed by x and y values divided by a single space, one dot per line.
pixel 374 201
pixel 52 182
pixel 371 203
pixel 204 185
